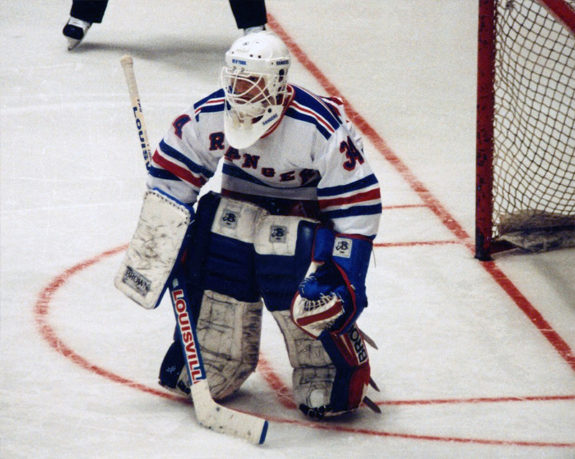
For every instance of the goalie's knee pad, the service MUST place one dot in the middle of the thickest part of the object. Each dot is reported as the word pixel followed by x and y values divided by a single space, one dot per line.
pixel 330 374
pixel 229 337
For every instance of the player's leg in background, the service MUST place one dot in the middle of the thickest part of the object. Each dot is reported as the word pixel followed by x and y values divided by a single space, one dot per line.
pixel 250 15
pixel 82 15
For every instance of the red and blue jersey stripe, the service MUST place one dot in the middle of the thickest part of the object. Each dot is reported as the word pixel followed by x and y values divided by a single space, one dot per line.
pixel 215 102
pixel 175 165
pixel 309 108
pixel 361 197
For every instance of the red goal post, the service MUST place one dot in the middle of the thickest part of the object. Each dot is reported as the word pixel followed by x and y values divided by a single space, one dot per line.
pixel 525 180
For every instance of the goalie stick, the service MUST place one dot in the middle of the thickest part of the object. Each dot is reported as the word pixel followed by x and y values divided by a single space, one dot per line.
pixel 128 66
pixel 208 413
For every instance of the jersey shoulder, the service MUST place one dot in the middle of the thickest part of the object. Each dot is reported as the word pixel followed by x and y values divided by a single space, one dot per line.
pixel 308 107
pixel 213 103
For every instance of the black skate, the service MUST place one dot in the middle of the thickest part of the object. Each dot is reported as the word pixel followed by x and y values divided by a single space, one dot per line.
pixel 75 30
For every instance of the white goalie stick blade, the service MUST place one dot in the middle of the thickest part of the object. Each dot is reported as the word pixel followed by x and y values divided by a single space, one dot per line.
pixel 225 420
pixel 154 249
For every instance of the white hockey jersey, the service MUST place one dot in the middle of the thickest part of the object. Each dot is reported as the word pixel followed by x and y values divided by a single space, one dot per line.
pixel 312 155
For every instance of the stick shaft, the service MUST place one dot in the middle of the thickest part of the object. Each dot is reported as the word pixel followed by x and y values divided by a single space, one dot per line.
pixel 128 67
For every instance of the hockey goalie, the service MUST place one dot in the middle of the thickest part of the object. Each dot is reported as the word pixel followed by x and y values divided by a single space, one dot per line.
pixel 292 229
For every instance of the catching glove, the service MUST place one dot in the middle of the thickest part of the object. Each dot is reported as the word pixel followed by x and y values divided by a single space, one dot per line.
pixel 332 294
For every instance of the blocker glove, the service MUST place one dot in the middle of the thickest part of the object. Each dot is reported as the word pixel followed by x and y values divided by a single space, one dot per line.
pixel 332 294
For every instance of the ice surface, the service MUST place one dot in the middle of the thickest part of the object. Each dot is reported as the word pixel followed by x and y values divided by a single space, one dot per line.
pixel 473 361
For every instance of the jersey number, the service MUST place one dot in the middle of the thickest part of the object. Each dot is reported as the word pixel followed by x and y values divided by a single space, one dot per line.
pixel 352 154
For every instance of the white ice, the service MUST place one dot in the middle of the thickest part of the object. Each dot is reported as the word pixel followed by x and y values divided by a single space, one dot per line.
pixel 465 367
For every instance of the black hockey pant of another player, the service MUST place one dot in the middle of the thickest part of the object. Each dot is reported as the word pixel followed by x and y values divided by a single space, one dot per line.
pixel 89 10
pixel 247 13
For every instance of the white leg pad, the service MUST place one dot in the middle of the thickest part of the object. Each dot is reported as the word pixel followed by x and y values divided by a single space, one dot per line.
pixel 313 371
pixel 229 335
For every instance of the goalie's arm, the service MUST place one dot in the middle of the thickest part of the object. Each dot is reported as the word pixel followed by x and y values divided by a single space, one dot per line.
pixel 332 295
pixel 183 162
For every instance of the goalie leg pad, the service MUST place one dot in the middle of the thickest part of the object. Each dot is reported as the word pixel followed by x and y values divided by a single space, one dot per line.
pixel 223 296
pixel 313 371
pixel 330 375
pixel 229 336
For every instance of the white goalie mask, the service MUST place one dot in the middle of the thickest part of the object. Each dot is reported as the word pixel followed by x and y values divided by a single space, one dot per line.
pixel 254 79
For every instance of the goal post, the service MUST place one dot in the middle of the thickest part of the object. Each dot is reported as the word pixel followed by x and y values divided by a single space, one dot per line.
pixel 525 158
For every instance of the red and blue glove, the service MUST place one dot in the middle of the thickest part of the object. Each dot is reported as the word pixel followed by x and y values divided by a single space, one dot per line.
pixel 332 295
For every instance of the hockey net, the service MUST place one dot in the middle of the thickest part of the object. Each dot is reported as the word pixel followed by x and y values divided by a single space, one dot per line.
pixel 525 126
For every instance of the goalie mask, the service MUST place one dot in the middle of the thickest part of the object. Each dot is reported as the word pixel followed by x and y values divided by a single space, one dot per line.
pixel 254 79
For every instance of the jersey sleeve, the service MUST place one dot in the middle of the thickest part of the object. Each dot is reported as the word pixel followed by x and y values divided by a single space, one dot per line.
pixel 181 164
pixel 348 192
